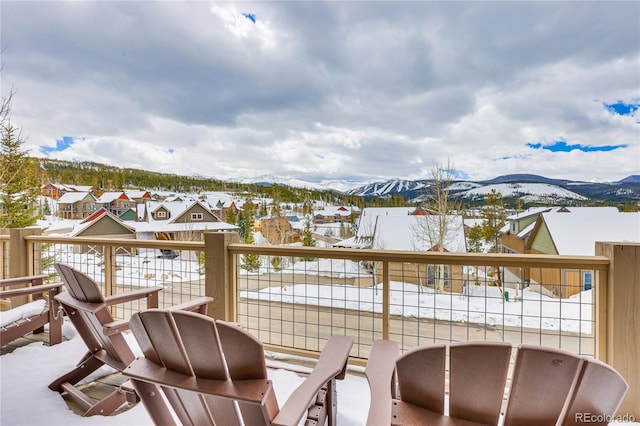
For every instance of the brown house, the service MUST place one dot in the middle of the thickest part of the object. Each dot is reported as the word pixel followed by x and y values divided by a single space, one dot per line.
pixel 76 205
pixel 279 231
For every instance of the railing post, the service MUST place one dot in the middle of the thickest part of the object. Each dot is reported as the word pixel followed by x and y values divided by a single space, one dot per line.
pixel 386 299
pixel 108 258
pixel 218 280
pixel 623 317
pixel 19 256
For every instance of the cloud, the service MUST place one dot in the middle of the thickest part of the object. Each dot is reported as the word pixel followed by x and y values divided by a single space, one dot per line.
pixel 329 90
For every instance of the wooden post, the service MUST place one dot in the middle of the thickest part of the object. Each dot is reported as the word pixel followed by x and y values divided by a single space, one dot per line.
pixel 623 318
pixel 19 256
pixel 218 274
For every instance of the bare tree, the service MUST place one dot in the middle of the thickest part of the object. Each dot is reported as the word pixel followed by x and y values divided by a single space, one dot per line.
pixel 439 227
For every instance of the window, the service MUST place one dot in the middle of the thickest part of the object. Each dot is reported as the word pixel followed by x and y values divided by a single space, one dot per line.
pixel 161 214
pixel 437 273
pixel 587 280
pixel 196 216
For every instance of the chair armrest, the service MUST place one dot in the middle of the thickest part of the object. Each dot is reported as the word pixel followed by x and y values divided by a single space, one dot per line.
pixel 331 365
pixel 379 372
pixel 115 327
pixel 31 279
pixel 131 295
pixel 196 305
pixel 31 290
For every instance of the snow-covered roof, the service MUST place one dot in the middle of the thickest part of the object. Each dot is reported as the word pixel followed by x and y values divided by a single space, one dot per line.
pixel 333 211
pixel 418 233
pixel 576 233
pixel 159 226
pixel 109 197
pixel 134 193
pixel 531 211
pixel 74 197
pixel 367 220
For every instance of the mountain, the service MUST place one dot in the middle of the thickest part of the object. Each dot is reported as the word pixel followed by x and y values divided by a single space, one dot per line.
pixel 529 188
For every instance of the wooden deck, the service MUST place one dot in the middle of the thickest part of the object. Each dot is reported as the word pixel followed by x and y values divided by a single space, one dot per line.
pixel 97 389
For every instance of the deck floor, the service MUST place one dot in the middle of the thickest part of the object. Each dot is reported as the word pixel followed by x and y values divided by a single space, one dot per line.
pixel 97 389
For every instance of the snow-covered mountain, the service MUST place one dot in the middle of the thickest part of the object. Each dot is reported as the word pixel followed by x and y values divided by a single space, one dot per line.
pixel 530 188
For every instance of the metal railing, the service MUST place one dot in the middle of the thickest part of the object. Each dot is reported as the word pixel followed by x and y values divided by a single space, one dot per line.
pixel 298 296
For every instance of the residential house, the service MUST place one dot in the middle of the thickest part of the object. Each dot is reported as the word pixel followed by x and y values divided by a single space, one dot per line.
pixel 575 232
pixel 367 221
pixel 56 190
pixel 278 230
pixel 139 196
pixel 115 202
pixel 76 205
pixel 102 223
pixel 177 220
pixel 420 233
pixel 334 214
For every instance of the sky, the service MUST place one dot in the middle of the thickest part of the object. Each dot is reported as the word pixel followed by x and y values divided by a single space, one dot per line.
pixel 324 91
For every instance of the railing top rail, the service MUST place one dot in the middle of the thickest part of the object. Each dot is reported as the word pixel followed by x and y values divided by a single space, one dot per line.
pixel 118 242
pixel 599 263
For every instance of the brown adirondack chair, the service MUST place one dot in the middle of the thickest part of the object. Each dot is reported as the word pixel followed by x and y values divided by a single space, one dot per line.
pixel 89 312
pixel 549 386
pixel 33 316
pixel 411 389
pixel 213 372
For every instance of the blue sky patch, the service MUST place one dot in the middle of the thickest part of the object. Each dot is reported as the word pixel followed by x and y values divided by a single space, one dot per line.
pixel 61 145
pixel 563 146
pixel 171 150
pixel 250 16
pixel 622 108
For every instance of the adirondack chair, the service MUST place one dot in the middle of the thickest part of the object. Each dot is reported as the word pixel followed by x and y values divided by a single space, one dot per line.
pixel 32 316
pixel 549 386
pixel 89 312
pixel 411 389
pixel 213 372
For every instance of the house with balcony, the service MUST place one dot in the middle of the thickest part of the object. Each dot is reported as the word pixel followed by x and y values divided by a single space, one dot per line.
pixel 116 202
pixel 335 214
pixel 57 190
pixel 278 230
pixel 76 205
pixel 184 220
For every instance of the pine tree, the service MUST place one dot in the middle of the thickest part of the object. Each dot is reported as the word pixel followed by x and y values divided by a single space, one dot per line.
pixel 474 239
pixel 494 218
pixel 250 262
pixel 19 183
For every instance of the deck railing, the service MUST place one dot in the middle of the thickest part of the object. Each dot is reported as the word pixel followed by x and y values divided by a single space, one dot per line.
pixel 294 298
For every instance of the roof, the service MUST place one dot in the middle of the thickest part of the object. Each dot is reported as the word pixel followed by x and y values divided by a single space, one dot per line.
pixel 367 221
pixel 74 197
pixel 418 233
pixel 94 218
pixel 576 233
pixel 108 197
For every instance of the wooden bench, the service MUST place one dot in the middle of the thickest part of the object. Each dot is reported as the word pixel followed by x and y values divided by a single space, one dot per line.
pixel 33 316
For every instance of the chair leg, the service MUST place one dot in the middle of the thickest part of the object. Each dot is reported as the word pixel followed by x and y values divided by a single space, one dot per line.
pixel 88 365
pixel 107 405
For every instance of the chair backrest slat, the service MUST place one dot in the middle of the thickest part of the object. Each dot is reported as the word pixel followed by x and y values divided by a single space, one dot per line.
pixel 79 285
pixel 599 392
pixel 421 377
pixel 246 354
pixel 477 375
pixel 542 379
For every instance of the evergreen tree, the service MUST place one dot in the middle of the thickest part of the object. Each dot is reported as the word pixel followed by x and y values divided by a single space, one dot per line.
pixel 307 237
pixel 493 219
pixel 474 239
pixel 19 183
pixel 250 262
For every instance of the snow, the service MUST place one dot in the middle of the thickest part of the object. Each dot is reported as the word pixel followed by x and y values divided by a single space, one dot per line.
pixel 576 233
pixel 25 378
pixel 482 304
pixel 534 191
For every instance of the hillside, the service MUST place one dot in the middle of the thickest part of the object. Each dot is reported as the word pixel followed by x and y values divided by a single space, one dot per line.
pixel 530 189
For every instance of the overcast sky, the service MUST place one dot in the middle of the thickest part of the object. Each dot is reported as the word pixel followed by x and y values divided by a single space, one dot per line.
pixel 356 91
